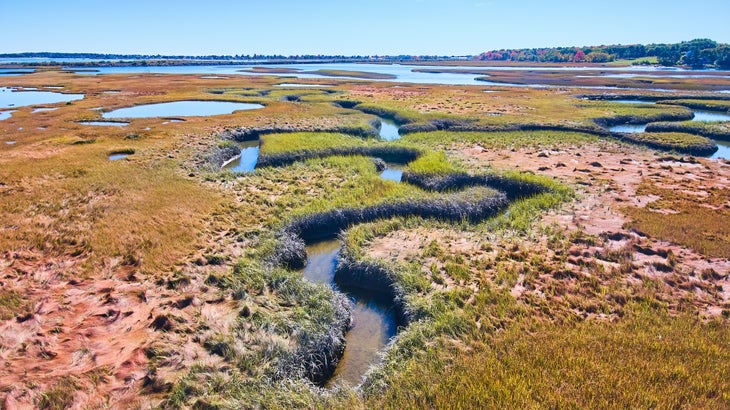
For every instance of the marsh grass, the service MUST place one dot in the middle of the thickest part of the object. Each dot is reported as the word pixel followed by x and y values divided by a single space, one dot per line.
pixel 501 140
pixel 673 141
pixel 307 141
pixel 12 304
pixel 471 343
pixel 704 229
pixel 584 365
pixel 714 130
pixel 433 162
pixel 60 395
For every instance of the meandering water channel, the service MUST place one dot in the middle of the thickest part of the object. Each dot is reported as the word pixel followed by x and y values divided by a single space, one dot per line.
pixel 374 318
pixel 723 147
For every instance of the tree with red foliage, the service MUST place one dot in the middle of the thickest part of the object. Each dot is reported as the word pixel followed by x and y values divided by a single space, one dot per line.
pixel 579 56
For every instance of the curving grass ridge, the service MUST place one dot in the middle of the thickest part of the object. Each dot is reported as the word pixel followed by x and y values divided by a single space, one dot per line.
pixel 673 141
pixel 473 205
pixel 399 155
pixel 714 130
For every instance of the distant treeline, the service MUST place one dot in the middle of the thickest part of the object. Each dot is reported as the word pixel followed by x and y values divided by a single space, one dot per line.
pixel 696 53
pixel 231 58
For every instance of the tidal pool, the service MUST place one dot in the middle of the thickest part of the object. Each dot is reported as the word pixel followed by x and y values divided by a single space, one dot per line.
pixel 105 123
pixel 10 97
pixel 392 174
pixel 246 161
pixel 628 128
pixel 181 109
pixel 374 319
pixel 389 130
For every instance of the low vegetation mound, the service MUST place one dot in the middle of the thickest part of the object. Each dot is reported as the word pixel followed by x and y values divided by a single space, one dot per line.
pixel 674 141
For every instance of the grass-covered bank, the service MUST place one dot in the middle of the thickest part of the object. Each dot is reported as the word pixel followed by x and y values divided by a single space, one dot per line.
pixel 644 360
pixel 682 143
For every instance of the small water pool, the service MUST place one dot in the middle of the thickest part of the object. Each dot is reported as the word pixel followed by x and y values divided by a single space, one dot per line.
pixel 116 157
pixel 629 128
pixel 389 130
pixel 246 161
pixel 10 97
pixel 4 115
pixel 105 123
pixel 392 174
pixel 181 109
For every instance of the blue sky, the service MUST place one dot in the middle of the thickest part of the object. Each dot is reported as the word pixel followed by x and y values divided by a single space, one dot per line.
pixel 350 27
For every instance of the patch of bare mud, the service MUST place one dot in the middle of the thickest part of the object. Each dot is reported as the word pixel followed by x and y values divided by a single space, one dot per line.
pixel 600 265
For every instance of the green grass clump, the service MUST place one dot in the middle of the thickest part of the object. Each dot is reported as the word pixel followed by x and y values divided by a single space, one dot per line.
pixel 12 304
pixel 704 229
pixel 712 105
pixel 433 162
pixel 501 139
pixel 715 130
pixel 306 141
pixel 60 395
pixel 677 141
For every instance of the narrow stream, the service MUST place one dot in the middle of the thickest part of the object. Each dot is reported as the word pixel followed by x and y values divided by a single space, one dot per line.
pixel 374 319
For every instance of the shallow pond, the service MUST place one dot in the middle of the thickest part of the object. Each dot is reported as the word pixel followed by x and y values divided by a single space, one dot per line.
pixel 44 109
pixel 374 320
pixel 105 123
pixel 628 128
pixel 392 174
pixel 4 115
pixel 389 130
pixel 710 116
pixel 115 157
pixel 9 97
pixel 246 161
pixel 181 109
